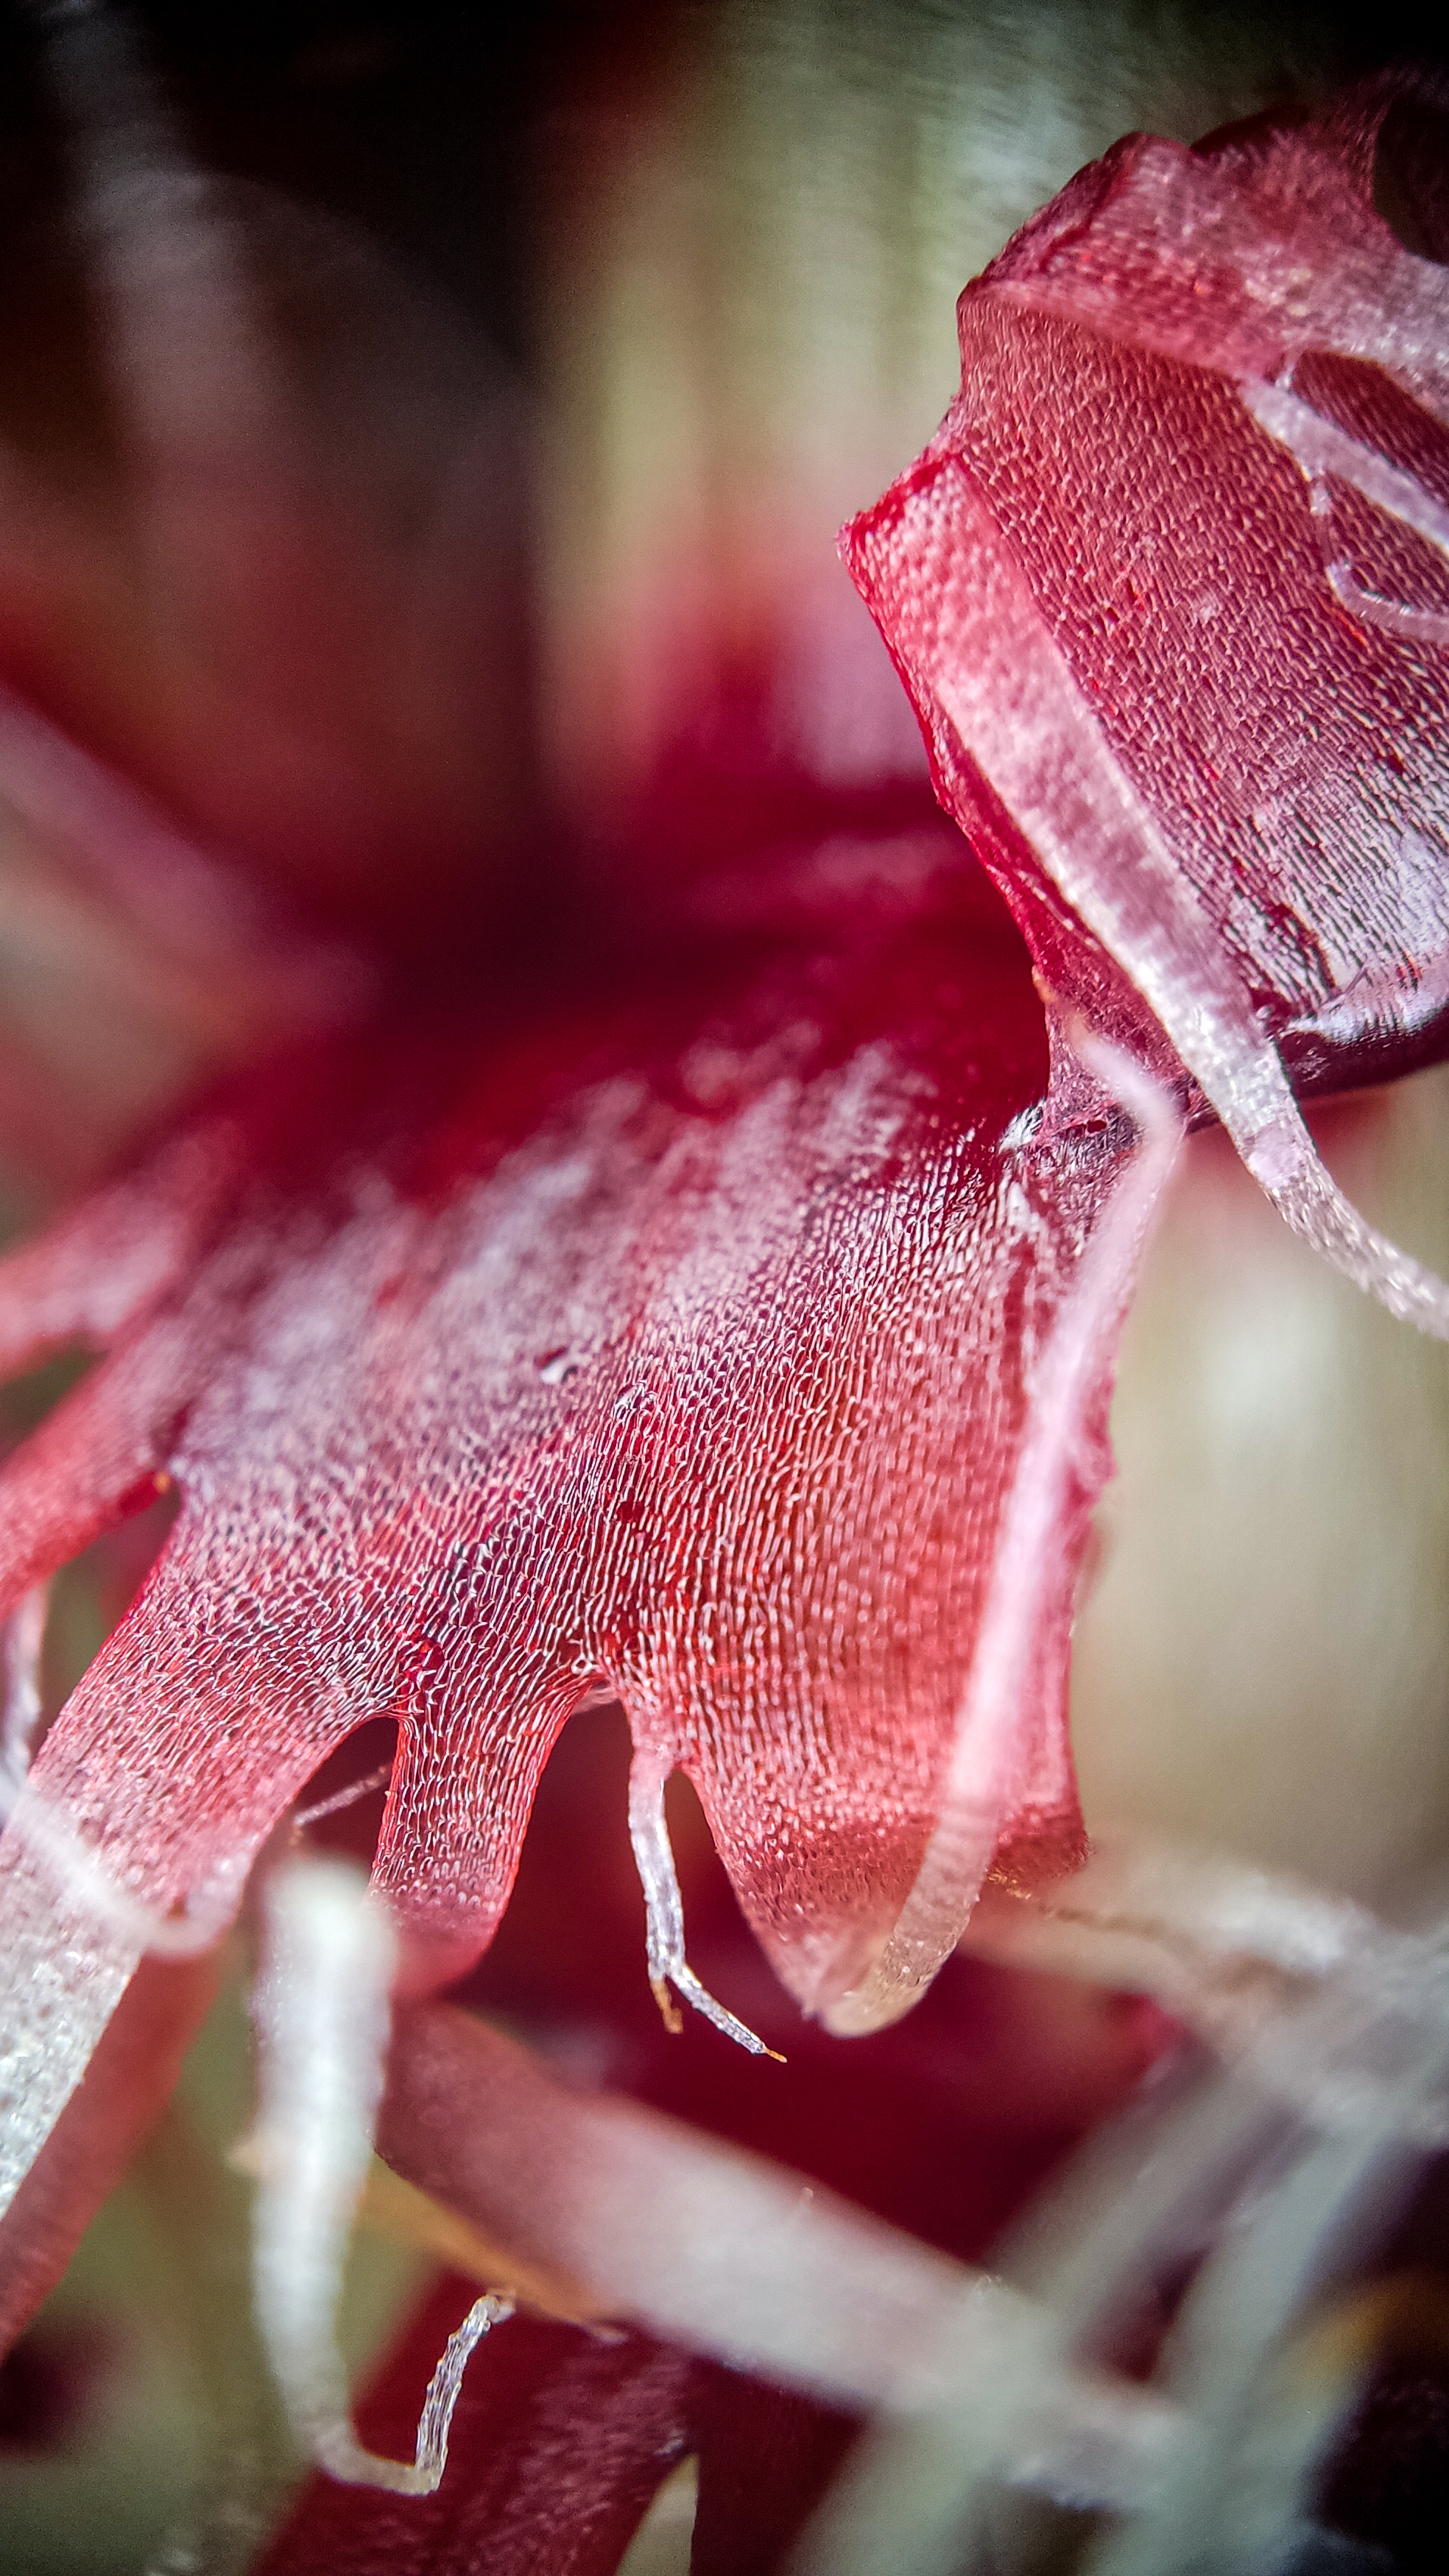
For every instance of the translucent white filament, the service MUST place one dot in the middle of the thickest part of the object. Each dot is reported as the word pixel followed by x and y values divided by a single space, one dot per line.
pixel 322 2016
pixel 663 1908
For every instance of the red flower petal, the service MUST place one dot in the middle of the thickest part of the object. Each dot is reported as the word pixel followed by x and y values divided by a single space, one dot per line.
pixel 743 1341
pixel 1170 589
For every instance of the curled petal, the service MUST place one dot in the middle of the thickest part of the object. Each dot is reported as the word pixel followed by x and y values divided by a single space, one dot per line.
pixel 1219 807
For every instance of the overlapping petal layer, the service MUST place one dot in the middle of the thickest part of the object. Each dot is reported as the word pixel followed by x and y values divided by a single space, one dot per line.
pixel 1170 589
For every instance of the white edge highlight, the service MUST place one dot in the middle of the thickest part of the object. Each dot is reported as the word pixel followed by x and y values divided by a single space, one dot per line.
pixel 983 1778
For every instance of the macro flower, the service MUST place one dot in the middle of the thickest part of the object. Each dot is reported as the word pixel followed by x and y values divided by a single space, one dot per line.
pixel 664 1250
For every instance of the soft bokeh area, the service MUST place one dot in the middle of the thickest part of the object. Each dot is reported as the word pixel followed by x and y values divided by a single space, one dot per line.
pixel 1261 1665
